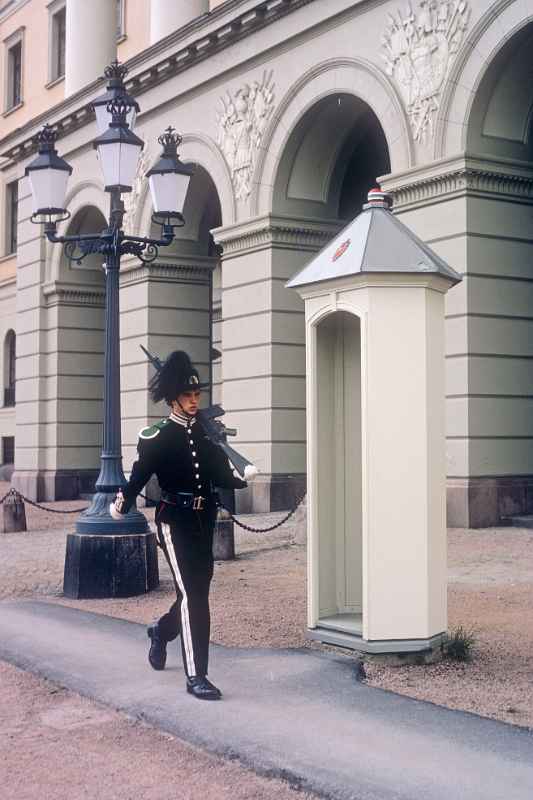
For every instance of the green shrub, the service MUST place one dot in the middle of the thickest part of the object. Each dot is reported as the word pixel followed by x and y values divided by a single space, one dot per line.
pixel 459 644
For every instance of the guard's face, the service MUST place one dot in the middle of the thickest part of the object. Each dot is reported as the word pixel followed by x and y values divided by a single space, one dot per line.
pixel 190 402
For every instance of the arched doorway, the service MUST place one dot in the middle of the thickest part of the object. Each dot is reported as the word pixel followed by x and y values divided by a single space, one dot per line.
pixel 170 304
pixel 329 161
pixel 196 327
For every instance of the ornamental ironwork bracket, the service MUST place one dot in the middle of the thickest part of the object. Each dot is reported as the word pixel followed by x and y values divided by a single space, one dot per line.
pixel 110 242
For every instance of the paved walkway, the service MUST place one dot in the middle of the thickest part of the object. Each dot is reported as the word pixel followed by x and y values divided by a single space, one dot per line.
pixel 296 714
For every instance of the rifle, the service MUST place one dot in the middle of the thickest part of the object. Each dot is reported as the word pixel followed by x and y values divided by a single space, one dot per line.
pixel 215 430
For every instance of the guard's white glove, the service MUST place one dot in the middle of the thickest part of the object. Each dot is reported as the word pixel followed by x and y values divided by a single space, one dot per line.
pixel 115 508
pixel 250 472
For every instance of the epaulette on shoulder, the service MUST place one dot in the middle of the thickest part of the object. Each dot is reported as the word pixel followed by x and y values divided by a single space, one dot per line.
pixel 153 430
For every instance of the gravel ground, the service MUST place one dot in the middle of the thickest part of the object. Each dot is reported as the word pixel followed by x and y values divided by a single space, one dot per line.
pixel 57 745
pixel 259 600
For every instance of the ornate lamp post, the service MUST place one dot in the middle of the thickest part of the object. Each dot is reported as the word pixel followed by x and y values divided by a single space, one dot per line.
pixel 118 150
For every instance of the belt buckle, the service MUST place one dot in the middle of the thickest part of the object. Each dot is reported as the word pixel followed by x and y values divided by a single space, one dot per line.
pixel 198 503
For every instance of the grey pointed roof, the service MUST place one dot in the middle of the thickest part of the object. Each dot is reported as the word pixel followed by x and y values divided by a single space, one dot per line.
pixel 375 241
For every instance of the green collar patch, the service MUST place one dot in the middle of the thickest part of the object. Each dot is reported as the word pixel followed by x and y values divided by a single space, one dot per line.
pixel 153 430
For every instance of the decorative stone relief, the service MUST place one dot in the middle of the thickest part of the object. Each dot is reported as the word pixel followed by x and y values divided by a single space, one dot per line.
pixel 131 199
pixel 418 50
pixel 241 125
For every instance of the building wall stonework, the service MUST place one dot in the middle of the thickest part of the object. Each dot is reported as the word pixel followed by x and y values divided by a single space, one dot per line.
pixel 287 109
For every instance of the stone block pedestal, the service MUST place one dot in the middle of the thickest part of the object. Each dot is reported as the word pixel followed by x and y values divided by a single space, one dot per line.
pixel 110 565
pixel 224 538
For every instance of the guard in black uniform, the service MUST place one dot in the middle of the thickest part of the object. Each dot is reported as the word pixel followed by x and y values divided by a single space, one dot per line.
pixel 188 467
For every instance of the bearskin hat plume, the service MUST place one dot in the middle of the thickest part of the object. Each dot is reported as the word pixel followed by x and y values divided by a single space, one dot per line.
pixel 177 375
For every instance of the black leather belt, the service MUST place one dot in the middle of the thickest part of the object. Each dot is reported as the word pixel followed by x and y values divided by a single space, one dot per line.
pixel 184 500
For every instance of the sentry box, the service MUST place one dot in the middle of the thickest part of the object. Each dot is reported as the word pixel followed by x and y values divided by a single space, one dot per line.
pixel 374 311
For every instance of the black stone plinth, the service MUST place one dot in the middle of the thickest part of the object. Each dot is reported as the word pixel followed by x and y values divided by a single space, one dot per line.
pixel 14 514
pixel 111 565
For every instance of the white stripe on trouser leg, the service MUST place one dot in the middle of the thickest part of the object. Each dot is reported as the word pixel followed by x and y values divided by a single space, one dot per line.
pixel 185 621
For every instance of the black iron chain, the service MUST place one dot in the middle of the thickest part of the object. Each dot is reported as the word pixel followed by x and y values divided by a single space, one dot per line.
pixel 13 492
pixel 282 521
pixel 16 494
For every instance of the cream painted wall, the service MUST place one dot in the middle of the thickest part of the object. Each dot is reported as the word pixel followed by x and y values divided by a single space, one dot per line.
pixel 136 29
pixel 33 17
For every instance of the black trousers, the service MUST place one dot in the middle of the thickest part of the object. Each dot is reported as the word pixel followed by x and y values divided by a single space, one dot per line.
pixel 187 541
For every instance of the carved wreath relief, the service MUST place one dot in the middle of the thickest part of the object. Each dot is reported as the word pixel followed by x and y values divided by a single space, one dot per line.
pixel 418 50
pixel 241 125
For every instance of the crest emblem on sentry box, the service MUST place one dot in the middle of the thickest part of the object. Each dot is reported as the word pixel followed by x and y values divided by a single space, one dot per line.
pixel 341 250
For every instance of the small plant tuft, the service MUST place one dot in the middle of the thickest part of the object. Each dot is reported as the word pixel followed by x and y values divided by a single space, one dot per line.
pixel 460 643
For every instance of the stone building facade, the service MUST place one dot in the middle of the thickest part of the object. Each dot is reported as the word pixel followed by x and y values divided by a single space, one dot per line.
pixel 289 110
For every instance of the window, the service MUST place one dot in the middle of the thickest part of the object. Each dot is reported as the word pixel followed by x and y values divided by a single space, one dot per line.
pixel 57 27
pixel 59 20
pixel 14 75
pixel 9 368
pixel 13 69
pixel 12 199
pixel 121 18
pixel 8 449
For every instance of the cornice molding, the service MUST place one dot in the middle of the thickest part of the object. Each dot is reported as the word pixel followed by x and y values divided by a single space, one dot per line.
pixel 195 271
pixel 76 111
pixel 56 294
pixel 276 231
pixel 473 176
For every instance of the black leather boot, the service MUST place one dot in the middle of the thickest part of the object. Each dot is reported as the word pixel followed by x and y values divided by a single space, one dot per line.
pixel 203 689
pixel 157 655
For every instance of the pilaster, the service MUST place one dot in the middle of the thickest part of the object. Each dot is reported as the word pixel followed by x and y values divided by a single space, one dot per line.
pixel 475 212
pixel 165 306
pixel 74 348
pixel 31 321
pixel 263 344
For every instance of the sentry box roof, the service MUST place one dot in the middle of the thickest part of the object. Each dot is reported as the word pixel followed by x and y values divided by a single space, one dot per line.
pixel 374 242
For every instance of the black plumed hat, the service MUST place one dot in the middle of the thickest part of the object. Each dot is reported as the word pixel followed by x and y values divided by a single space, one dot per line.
pixel 177 375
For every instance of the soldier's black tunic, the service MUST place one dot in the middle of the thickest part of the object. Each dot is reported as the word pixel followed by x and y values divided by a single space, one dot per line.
pixel 178 451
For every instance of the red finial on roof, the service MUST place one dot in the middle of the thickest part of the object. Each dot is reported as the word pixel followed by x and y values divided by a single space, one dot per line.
pixel 377 198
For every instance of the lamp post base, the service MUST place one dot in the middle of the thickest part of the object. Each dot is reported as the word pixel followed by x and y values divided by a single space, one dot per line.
pixel 111 565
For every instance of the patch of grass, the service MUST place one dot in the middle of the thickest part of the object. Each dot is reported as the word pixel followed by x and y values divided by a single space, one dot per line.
pixel 460 643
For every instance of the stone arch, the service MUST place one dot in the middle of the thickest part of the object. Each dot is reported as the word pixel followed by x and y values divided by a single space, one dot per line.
pixel 85 196
pixel 347 76
pixel 482 55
